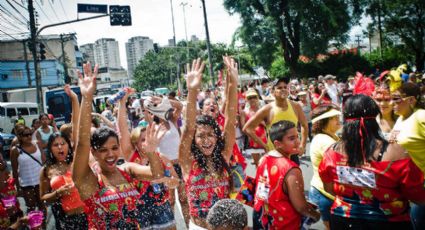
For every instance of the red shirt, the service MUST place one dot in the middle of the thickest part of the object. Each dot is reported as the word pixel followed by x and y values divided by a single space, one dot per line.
pixel 325 100
pixel 260 131
pixel 69 201
pixel 376 191
pixel 204 189
pixel 270 199
pixel 115 208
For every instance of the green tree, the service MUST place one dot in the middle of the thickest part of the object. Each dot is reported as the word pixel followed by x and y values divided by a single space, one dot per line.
pixel 292 26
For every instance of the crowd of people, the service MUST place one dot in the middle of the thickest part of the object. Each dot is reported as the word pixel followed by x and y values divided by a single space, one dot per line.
pixel 129 166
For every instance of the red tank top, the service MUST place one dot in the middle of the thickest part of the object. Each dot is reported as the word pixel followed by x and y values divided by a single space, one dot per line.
pixel 114 208
pixel 71 201
pixel 278 212
pixel 204 189
pixel 135 157
pixel 260 131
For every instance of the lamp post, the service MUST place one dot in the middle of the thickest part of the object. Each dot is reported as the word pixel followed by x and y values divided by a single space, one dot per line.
pixel 183 5
pixel 208 41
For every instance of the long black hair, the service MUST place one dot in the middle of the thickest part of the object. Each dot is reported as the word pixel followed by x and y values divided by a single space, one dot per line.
pixel 361 130
pixel 50 158
pixel 217 157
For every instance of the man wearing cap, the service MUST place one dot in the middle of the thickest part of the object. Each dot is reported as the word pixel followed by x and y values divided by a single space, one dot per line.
pixel 331 88
pixel 281 109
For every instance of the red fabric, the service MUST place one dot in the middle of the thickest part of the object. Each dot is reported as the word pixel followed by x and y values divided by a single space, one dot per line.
pixel 363 85
pixel 204 189
pixel 8 190
pixel 237 155
pixel 71 201
pixel 260 131
pixel 277 210
pixel 110 208
pixel 324 100
pixel 382 191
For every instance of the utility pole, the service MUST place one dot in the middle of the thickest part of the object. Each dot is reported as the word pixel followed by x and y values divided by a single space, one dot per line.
pixel 184 4
pixel 380 28
pixel 33 48
pixel 358 41
pixel 27 65
pixel 172 19
pixel 65 66
pixel 208 42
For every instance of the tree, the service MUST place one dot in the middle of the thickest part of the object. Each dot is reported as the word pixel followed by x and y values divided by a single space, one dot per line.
pixel 405 19
pixel 293 26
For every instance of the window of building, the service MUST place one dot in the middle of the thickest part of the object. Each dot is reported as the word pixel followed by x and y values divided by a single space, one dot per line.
pixel 17 74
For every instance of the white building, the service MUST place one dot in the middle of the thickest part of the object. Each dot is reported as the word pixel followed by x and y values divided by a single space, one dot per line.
pixel 107 53
pixel 136 49
pixel 88 52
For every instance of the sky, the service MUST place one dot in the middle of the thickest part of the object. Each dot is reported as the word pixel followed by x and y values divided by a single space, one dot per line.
pixel 151 18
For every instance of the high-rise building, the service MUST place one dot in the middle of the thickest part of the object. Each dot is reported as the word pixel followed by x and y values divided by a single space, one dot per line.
pixel 136 48
pixel 107 53
pixel 88 52
pixel 193 38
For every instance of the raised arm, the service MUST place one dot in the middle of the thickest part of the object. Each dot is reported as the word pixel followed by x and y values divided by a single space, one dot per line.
pixel 75 111
pixel 155 169
pixel 231 108
pixel 193 81
pixel 126 147
pixel 84 178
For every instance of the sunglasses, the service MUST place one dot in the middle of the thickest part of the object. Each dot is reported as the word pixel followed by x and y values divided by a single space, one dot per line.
pixel 398 99
pixel 26 134
pixel 379 100
pixel 253 97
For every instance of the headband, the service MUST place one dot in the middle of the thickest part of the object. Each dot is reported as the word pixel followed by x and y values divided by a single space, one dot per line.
pixel 330 113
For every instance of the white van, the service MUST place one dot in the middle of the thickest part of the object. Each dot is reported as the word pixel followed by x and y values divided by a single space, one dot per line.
pixel 9 112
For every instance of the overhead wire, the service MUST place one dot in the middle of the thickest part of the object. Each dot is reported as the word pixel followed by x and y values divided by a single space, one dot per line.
pixel 9 35
pixel 19 12
pixel 10 23
pixel 6 11
pixel 42 11
pixel 19 4
pixel 53 9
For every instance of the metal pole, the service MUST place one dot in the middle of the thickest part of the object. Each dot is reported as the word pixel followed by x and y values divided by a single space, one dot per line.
pixel 27 65
pixel 33 48
pixel 65 66
pixel 185 27
pixel 208 42
pixel 380 28
pixel 172 19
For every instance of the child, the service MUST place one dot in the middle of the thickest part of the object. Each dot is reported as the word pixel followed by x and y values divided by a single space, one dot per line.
pixel 279 200
pixel 227 214
pixel 10 211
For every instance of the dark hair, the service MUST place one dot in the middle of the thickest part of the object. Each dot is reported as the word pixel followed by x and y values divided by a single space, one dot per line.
pixel 228 214
pixel 279 129
pixel 43 115
pixel 101 135
pixel 50 159
pixel 279 80
pixel 95 122
pixel 359 107
pixel 320 125
pixel 34 121
pixel 172 94
pixel 410 89
pixel 217 157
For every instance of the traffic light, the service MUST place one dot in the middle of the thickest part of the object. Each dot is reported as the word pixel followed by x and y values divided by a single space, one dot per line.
pixel 155 47
pixel 42 51
pixel 120 15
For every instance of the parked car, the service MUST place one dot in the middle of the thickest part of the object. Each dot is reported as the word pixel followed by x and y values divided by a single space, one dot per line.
pixel 10 112
pixel 162 91
pixel 5 141
pixel 145 94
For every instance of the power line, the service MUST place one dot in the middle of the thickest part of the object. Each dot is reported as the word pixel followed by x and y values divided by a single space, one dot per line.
pixel 42 11
pixel 9 22
pixel 19 12
pixel 19 4
pixel 14 29
pixel 9 35
pixel 6 11
pixel 53 9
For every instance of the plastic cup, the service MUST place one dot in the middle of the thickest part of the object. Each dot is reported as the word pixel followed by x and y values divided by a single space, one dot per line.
pixel 35 219
pixel 8 201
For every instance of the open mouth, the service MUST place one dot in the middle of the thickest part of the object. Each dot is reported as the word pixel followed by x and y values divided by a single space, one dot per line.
pixel 111 161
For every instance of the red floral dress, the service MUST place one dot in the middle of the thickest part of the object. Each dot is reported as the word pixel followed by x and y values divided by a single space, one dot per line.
pixel 205 189
pixel 115 208
pixel 376 191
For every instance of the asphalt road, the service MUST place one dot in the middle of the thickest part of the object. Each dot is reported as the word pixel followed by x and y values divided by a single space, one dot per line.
pixel 306 168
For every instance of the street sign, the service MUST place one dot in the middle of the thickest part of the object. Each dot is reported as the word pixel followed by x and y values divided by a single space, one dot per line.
pixel 92 8
pixel 120 15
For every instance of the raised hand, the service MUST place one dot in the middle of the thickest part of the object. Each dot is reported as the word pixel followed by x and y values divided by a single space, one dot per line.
pixel 68 91
pixel 128 92
pixel 153 137
pixel 194 74
pixel 87 82
pixel 231 68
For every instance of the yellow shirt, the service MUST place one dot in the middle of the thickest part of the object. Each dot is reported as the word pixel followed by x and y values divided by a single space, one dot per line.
pixel 412 137
pixel 280 115
pixel 319 144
